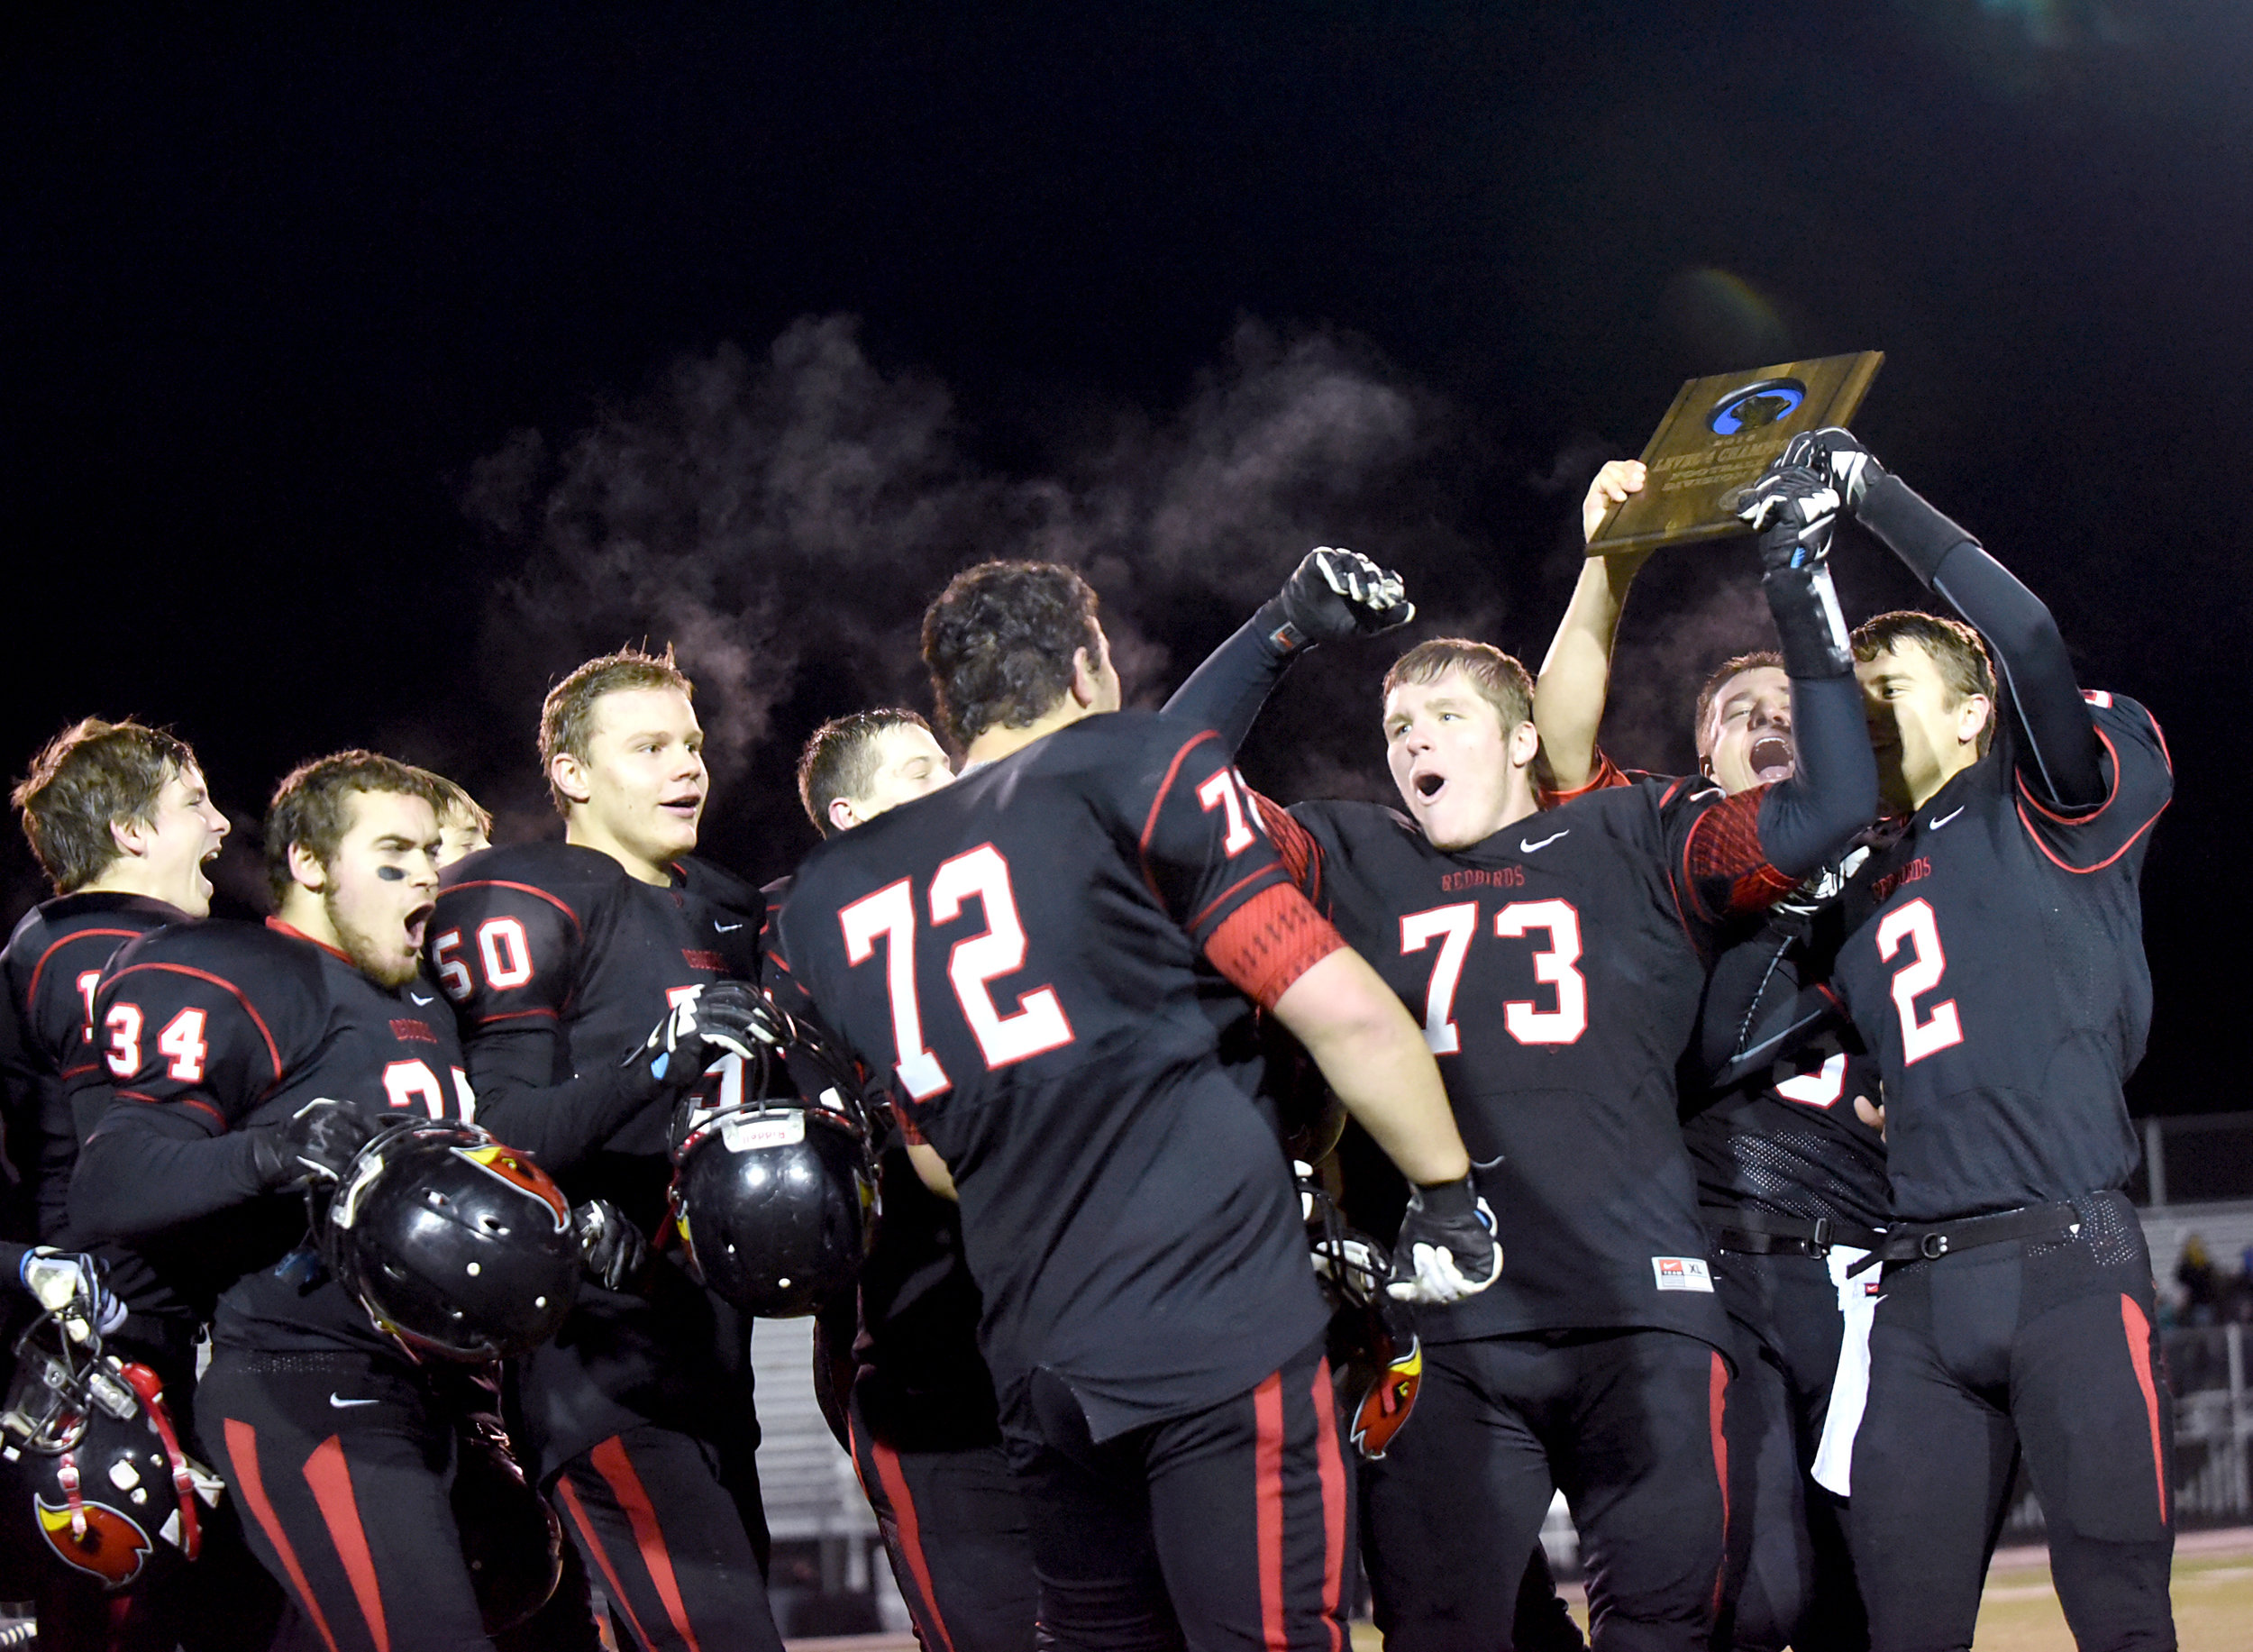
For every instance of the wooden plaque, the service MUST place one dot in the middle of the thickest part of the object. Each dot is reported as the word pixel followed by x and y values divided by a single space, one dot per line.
pixel 1718 436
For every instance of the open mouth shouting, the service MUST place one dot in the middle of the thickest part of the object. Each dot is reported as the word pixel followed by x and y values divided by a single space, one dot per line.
pixel 417 921
pixel 1770 757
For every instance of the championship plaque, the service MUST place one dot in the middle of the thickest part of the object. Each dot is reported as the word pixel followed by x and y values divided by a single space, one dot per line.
pixel 1718 436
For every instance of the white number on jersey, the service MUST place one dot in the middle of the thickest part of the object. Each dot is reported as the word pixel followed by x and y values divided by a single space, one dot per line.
pixel 1916 923
pixel 1553 965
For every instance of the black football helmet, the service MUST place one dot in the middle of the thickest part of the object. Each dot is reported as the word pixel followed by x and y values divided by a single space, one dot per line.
pixel 511 1540
pixel 91 1476
pixel 455 1244
pixel 1375 1359
pixel 775 1197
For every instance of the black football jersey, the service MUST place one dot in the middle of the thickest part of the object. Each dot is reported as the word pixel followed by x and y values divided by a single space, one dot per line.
pixel 52 963
pixel 232 1025
pixel 558 964
pixel 1021 952
pixel 1994 965
pixel 1557 969
pixel 1784 1137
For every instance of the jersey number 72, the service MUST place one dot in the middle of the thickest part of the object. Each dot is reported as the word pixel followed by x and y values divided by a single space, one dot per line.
pixel 1038 1023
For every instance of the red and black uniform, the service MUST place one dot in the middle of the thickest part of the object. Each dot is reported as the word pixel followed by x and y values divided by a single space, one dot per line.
pixel 1994 963
pixel 336 1445
pixel 1024 951
pixel 1793 1186
pixel 639 1413
pixel 52 964
pixel 906 1391
pixel 1557 968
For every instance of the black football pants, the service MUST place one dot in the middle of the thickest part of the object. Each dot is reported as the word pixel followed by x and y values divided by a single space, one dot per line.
pixel 954 1528
pixel 1628 1424
pixel 341 1465
pixel 1791 1578
pixel 1221 1531
pixel 2046 1348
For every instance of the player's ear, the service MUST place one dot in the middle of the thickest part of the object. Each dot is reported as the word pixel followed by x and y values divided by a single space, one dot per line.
pixel 306 869
pixel 843 815
pixel 130 837
pixel 567 775
pixel 1086 677
pixel 1971 717
pixel 1525 744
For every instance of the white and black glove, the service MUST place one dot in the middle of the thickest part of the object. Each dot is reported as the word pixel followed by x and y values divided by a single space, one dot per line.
pixel 724 1018
pixel 1446 1244
pixel 69 1285
pixel 318 1142
pixel 1852 468
pixel 1332 595
pixel 614 1248
pixel 1792 507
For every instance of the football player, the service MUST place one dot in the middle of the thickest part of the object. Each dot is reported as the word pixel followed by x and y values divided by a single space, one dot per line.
pixel 241 1060
pixel 1021 949
pixel 1791 1172
pixel 560 959
pixel 119 817
pixel 913 1401
pixel 465 826
pixel 1993 963
pixel 1557 961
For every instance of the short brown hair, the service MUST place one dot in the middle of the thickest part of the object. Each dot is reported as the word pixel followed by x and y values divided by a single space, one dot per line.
pixel 459 804
pixel 999 641
pixel 1714 684
pixel 89 777
pixel 313 804
pixel 567 715
pixel 1952 646
pixel 1500 681
pixel 840 759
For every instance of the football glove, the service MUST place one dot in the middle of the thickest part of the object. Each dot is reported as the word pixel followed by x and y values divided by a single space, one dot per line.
pixel 318 1142
pixel 1792 507
pixel 723 1018
pixel 69 1285
pixel 614 1248
pixel 1447 1244
pixel 1838 454
pixel 1332 595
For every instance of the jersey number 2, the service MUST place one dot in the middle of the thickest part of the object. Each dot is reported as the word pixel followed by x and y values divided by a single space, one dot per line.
pixel 1553 966
pixel 1037 1023
pixel 1915 924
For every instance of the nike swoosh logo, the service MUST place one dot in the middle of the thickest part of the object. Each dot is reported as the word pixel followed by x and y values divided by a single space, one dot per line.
pixel 1526 846
pixel 1936 825
pixel 340 1403
pixel 727 928
pixel 419 998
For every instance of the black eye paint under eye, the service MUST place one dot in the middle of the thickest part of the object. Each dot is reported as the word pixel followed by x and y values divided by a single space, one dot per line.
pixel 391 874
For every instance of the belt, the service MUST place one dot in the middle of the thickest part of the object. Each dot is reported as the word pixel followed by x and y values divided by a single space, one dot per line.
pixel 1759 1233
pixel 1923 1241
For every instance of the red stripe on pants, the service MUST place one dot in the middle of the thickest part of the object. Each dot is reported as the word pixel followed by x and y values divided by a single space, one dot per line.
pixel 1717 1407
pixel 611 1463
pixel 578 1511
pixel 332 1483
pixel 242 1459
pixel 1267 1411
pixel 895 1484
pixel 1332 1461
pixel 2139 1329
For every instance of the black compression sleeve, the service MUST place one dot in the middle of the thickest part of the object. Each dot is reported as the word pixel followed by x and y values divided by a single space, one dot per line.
pixel 2062 759
pixel 1809 820
pixel 1225 693
pixel 556 1124
pixel 146 1169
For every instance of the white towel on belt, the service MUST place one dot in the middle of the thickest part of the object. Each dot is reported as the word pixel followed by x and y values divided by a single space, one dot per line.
pixel 1850 1389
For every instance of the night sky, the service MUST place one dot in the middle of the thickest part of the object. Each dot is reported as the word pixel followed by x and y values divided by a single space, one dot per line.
pixel 363 375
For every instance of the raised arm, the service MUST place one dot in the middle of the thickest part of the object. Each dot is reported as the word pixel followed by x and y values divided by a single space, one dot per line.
pixel 1568 701
pixel 1331 594
pixel 2061 755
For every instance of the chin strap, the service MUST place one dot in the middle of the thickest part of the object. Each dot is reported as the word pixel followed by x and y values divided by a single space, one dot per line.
pixel 147 1384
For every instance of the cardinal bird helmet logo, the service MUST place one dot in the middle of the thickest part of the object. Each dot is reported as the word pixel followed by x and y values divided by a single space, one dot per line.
pixel 111 1548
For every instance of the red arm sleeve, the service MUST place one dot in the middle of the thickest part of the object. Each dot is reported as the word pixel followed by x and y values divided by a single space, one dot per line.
pixel 1270 941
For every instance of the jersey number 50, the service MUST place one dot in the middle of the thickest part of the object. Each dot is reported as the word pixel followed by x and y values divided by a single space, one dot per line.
pixel 1037 1023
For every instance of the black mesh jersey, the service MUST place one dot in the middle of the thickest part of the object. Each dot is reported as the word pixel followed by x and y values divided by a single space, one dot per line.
pixel 558 964
pixel 922 1384
pixel 1994 963
pixel 1557 969
pixel 51 964
pixel 227 1024
pixel 1021 951
pixel 1785 1139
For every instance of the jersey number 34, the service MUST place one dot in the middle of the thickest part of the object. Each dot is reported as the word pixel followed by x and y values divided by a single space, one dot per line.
pixel 1037 1023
